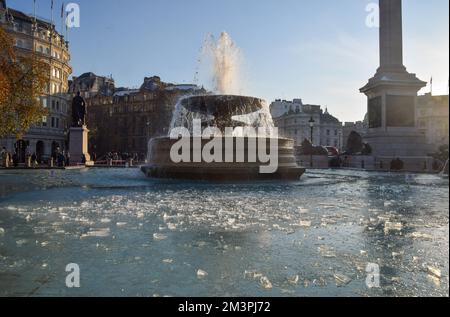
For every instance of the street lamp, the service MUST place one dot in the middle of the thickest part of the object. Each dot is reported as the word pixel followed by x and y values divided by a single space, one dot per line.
pixel 311 125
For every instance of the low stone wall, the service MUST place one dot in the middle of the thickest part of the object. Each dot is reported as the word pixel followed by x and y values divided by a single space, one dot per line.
pixel 318 161
pixel 370 163
pixel 360 161
pixel 411 164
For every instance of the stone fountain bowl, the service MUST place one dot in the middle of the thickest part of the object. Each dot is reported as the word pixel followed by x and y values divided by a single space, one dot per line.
pixel 222 105
pixel 161 166
pixel 222 108
pixel 223 111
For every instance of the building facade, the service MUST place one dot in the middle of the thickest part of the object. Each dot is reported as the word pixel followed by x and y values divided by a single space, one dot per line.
pixel 37 36
pixel 293 121
pixel 432 119
pixel 126 120
pixel 90 85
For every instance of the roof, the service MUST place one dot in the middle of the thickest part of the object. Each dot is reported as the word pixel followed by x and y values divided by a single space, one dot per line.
pixel 18 15
pixel 328 118
pixel 125 92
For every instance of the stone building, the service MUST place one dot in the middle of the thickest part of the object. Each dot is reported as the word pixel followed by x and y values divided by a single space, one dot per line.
pixel 126 120
pixel 90 85
pixel 292 119
pixel 432 119
pixel 35 35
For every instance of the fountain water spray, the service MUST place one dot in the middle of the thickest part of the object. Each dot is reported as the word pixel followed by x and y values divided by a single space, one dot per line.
pixel 226 60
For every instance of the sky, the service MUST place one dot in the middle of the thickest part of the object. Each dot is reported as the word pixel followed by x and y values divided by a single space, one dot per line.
pixel 321 51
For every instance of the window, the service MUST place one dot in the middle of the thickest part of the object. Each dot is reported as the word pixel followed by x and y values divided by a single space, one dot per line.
pixel 53 122
pixel 44 102
pixel 44 121
pixel 57 106
pixel 328 133
pixel 57 123
pixel 19 27
pixel 335 132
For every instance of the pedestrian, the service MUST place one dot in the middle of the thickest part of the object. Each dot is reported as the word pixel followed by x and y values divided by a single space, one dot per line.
pixel 15 159
pixel 34 162
pixel 4 158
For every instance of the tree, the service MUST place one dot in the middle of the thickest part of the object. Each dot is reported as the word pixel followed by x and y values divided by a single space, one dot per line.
pixel 23 79
pixel 354 143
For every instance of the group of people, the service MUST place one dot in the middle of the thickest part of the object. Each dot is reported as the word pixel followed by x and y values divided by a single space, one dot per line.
pixel 117 156
pixel 8 159
pixel 59 158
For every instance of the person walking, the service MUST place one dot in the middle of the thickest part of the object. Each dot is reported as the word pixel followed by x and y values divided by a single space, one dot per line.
pixel 34 162
pixel 4 157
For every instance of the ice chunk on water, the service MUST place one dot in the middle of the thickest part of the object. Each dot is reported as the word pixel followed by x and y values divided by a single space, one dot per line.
pixel 265 282
pixel 121 224
pixel 433 271
pixel 392 226
pixel 159 236
pixel 100 233
pixel 303 210
pixel 201 273
pixel 252 275
pixel 305 223
pixel 294 279
pixel 326 251
pixel 341 279
pixel 21 242
pixel 168 261
pixel 418 235
pixel 171 226
pixel 396 255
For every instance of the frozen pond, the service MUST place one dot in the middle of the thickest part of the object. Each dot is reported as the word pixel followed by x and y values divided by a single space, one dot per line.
pixel 133 236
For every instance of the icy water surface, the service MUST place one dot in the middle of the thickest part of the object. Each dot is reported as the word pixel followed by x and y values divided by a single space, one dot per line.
pixel 133 236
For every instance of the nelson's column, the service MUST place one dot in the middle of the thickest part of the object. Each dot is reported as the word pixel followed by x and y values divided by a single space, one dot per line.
pixel 392 96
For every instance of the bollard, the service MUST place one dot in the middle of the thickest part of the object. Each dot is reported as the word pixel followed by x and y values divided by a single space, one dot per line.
pixel 50 162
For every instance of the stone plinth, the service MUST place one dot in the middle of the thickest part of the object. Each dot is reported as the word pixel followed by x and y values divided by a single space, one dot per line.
pixel 78 146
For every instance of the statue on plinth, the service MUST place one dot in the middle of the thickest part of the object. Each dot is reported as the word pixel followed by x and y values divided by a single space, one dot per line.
pixel 78 111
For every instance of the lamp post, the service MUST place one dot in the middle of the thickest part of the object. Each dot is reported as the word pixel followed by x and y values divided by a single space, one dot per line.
pixel 311 125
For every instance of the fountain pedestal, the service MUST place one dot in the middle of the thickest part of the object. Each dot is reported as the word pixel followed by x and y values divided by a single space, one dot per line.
pixel 78 146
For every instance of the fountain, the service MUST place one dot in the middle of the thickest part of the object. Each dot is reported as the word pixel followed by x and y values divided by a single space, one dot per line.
pixel 224 137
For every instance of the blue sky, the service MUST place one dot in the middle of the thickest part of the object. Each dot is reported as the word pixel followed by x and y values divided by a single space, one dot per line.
pixel 320 51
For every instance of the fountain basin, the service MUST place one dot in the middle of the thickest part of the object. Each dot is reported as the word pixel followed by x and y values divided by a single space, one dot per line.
pixel 240 161
pixel 161 165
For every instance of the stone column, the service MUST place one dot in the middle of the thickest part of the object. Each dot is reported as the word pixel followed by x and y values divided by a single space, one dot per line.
pixel 391 38
pixel 392 93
